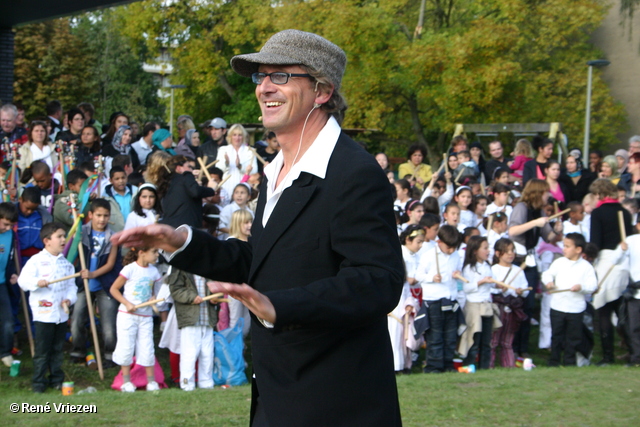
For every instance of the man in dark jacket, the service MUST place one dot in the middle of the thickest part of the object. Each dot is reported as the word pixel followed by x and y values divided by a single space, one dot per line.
pixel 324 267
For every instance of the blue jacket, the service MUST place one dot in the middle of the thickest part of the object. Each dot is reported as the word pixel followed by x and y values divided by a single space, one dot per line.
pixel 107 279
pixel 29 227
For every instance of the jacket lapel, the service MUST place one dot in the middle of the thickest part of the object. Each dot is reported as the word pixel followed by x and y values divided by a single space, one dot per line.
pixel 291 203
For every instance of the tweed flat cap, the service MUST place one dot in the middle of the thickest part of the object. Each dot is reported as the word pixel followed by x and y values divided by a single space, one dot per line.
pixel 294 47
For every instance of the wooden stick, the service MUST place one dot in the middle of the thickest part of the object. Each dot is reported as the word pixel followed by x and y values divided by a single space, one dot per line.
pixel 437 264
pixel 65 307
pixel 522 267
pixel 604 278
pixel 446 162
pixel 258 156
pixel 559 214
pixel 633 191
pixel 223 181
pixel 62 279
pixel 148 303
pixel 490 223
pixel 13 182
pixel 459 277
pixel 557 291
pixel 61 163
pixel 23 298
pixel 623 231
pixel 92 320
pixel 203 167
pixel 483 190
pixel 211 164
pixel 460 174
pixel 213 296
pixel 205 158
pixel 555 208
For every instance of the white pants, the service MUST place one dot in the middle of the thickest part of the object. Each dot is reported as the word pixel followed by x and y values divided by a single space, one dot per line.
pixel 236 311
pixel 135 336
pixel 196 345
pixel 544 339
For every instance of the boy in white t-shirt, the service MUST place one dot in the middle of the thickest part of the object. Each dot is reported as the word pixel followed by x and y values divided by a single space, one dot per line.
pixel 49 304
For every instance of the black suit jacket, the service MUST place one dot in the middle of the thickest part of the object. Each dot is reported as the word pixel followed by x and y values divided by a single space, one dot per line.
pixel 329 259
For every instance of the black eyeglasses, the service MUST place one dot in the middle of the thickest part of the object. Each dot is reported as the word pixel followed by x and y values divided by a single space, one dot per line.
pixel 277 78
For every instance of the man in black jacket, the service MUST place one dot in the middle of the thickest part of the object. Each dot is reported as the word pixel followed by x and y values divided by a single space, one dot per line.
pixel 324 266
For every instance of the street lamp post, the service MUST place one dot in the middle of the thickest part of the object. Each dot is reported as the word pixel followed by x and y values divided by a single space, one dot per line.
pixel 587 118
pixel 171 109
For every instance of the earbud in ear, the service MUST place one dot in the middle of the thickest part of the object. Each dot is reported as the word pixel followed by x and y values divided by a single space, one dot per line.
pixel 316 105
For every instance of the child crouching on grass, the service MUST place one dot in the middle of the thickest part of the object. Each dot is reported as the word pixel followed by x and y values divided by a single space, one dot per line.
pixel 572 277
pixel 134 327
pixel 49 304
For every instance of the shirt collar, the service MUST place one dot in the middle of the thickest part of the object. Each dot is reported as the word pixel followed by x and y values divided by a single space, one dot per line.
pixel 314 161
pixel 50 254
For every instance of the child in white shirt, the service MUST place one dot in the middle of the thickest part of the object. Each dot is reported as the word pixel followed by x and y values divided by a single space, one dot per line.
pixel 509 301
pixel 572 277
pixel 478 310
pixel 500 201
pixel 49 304
pixel 135 326
pixel 241 197
pixel 574 223
pixel 435 274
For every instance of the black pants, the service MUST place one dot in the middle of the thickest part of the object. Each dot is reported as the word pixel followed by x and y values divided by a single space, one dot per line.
pixel 566 334
pixel 607 330
pixel 521 338
pixel 633 329
pixel 441 337
pixel 482 345
pixel 48 355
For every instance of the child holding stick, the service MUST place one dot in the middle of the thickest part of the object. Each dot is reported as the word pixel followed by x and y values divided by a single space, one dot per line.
pixel 508 300
pixel 135 326
pixel 411 239
pixel 196 320
pixel 572 278
pixel 435 274
pixel 105 263
pixel 48 303
pixel 478 310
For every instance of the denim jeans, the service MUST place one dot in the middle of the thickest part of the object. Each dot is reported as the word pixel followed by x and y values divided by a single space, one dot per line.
pixel 441 337
pixel 48 356
pixel 6 322
pixel 108 309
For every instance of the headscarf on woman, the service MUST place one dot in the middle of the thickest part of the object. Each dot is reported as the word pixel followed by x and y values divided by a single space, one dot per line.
pixel 117 140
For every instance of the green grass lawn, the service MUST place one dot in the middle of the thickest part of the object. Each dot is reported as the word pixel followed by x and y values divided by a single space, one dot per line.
pixel 587 396
pixel 546 396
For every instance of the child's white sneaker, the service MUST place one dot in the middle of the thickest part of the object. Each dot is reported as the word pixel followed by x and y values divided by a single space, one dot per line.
pixel 128 387
pixel 153 386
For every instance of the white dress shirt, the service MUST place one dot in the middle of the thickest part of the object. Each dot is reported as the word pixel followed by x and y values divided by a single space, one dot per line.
pixel 475 273
pixel 427 269
pixel 314 161
pixel 565 274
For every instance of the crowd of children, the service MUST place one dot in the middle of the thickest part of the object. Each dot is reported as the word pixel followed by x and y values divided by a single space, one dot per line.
pixel 481 248
pixel 67 198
